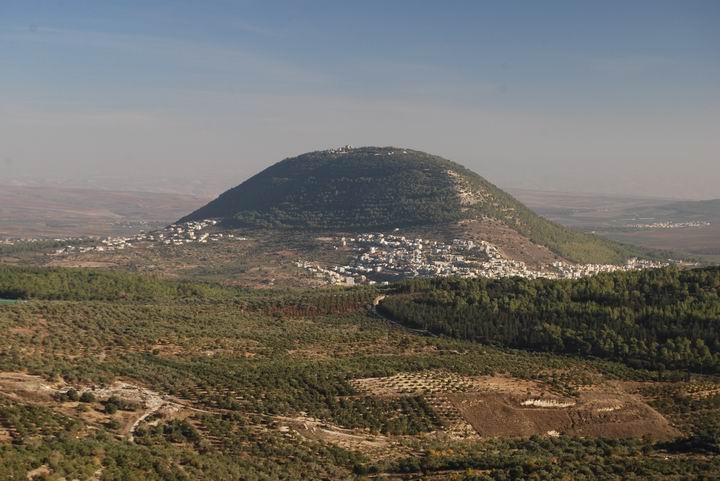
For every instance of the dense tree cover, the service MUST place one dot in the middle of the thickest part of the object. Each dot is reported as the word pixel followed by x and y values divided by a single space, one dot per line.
pixel 681 403
pixel 657 319
pixel 87 284
pixel 543 458
pixel 171 451
pixel 245 362
pixel 103 285
pixel 28 246
pixel 175 451
pixel 379 188
pixel 357 189
pixel 27 421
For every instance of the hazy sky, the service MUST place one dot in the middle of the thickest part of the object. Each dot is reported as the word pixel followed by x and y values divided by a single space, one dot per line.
pixel 601 96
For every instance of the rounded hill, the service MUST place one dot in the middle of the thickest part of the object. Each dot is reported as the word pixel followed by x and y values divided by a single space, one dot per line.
pixel 373 188
pixel 361 188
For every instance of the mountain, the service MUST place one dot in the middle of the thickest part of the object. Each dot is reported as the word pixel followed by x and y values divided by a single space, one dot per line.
pixel 374 188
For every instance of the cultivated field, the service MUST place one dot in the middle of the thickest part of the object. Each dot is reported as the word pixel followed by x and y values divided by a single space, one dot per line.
pixel 608 216
pixel 313 386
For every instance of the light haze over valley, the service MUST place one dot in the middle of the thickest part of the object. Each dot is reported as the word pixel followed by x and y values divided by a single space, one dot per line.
pixel 308 240
pixel 618 98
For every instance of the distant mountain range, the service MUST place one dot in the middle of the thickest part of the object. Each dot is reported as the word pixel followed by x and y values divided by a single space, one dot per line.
pixel 376 188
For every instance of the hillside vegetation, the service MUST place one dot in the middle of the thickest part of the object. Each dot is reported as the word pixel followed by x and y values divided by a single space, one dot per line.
pixel 375 188
pixel 91 284
pixel 71 284
pixel 655 319
pixel 251 386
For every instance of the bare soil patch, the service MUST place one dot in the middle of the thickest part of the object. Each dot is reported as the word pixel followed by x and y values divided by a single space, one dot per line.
pixel 25 387
pixel 36 390
pixel 82 264
pixel 372 444
pixel 593 414
pixel 498 406
pixel 511 243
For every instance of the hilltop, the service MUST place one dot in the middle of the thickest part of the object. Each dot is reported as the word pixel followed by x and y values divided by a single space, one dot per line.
pixel 375 188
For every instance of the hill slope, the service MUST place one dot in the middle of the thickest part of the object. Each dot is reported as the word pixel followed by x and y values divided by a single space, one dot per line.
pixel 374 188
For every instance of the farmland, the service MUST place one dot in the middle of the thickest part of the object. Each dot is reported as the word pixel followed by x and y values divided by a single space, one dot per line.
pixel 694 226
pixel 180 380
pixel 50 211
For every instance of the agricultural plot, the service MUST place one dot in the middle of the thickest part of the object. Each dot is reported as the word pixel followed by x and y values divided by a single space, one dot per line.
pixel 226 384
pixel 491 406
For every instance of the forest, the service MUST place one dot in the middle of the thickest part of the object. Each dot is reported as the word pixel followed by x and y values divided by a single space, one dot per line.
pixel 19 246
pixel 239 365
pixel 382 188
pixel 74 284
pixel 655 319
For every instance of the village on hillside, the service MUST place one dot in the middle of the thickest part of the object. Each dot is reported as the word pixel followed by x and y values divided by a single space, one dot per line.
pixel 372 257
pixel 194 232
pixel 670 225
pixel 380 257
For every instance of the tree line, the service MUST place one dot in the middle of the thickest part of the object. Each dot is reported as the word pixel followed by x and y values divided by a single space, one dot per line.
pixel 657 319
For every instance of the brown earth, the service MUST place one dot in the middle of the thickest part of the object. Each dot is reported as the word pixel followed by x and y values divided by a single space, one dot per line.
pixel 499 406
pixel 268 259
pixel 32 389
pixel 25 387
pixel 264 261
pixel 82 264
pixel 376 445
pixel 594 414
pixel 511 243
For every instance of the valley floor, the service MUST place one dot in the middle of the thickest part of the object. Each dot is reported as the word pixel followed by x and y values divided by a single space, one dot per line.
pixel 312 385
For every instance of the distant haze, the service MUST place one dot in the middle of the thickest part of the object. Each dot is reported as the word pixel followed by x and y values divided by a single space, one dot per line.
pixel 196 96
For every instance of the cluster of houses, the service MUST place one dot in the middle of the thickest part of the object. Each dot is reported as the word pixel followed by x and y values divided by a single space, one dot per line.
pixel 340 150
pixel 31 240
pixel 194 232
pixel 380 257
pixel 565 270
pixel 332 276
pixel 348 148
pixel 670 225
